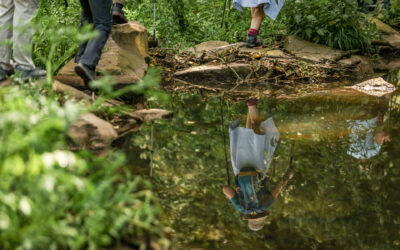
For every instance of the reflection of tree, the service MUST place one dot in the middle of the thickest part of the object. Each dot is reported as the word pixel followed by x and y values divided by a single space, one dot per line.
pixel 330 203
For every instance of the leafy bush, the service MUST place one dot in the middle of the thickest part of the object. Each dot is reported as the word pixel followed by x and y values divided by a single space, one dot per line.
pixel 52 197
pixel 335 23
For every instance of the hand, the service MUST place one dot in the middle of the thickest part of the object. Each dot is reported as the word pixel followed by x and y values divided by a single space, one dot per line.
pixel 382 137
pixel 228 191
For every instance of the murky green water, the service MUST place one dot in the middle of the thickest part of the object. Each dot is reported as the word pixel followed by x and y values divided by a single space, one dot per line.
pixel 337 199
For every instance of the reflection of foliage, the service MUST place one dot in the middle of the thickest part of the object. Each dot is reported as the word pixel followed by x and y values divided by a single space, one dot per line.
pixel 330 203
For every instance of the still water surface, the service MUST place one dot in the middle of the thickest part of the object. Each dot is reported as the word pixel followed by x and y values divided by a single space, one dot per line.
pixel 345 189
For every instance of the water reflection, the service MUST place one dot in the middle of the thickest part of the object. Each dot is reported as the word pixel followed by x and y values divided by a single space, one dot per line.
pixel 343 194
pixel 252 149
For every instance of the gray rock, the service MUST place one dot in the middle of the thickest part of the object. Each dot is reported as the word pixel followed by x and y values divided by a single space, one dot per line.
pixel 311 51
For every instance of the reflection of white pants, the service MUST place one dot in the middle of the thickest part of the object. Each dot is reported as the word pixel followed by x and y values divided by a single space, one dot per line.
pixel 15 28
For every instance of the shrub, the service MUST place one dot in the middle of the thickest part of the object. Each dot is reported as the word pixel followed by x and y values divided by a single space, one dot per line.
pixel 335 23
pixel 50 196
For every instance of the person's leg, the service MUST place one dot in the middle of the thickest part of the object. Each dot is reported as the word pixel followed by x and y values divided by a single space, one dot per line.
pixel 23 33
pixel 86 18
pixel 257 16
pixel 102 21
pixel 6 21
pixel 101 12
pixel 23 40
pixel 118 13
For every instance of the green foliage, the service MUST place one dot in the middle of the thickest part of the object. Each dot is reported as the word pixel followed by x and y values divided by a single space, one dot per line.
pixel 57 37
pixel 336 23
pixel 392 15
pixel 52 197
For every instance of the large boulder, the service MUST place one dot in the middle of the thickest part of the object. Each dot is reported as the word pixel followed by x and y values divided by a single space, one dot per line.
pixel 124 57
pixel 389 35
pixel 311 51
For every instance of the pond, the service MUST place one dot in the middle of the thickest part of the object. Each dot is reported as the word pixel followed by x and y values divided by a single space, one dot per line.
pixel 344 193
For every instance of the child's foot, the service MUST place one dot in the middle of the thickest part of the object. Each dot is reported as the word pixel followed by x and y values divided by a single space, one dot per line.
pixel 253 41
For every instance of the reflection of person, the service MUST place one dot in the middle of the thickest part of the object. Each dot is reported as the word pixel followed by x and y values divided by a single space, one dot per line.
pixel 15 18
pixel 96 12
pixel 368 135
pixel 258 10
pixel 252 150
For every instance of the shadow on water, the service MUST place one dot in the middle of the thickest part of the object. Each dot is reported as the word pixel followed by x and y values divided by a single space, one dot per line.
pixel 344 193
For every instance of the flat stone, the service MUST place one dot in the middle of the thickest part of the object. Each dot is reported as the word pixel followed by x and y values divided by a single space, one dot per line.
pixel 123 57
pixel 214 72
pixel 219 49
pixel 147 115
pixel 363 67
pixel 311 51
pixel 266 52
pixel 93 133
pixel 209 45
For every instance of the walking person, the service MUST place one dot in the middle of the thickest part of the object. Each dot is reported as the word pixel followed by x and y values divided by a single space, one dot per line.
pixel 16 35
pixel 97 12
pixel 252 150
pixel 259 8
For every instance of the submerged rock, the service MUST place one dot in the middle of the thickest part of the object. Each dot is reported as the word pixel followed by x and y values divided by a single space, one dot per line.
pixel 124 57
pixel 311 51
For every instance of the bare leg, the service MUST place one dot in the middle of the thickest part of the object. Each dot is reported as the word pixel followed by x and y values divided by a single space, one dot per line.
pixel 257 16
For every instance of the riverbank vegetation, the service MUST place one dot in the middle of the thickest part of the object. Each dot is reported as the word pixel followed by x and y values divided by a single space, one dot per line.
pixel 55 194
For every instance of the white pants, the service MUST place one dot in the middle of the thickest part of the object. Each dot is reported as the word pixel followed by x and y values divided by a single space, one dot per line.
pixel 15 29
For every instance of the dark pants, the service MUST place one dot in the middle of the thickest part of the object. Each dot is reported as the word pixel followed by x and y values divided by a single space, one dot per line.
pixel 368 6
pixel 97 12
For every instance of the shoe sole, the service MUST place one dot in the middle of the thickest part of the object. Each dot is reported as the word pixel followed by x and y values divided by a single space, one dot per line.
pixel 118 18
pixel 82 72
